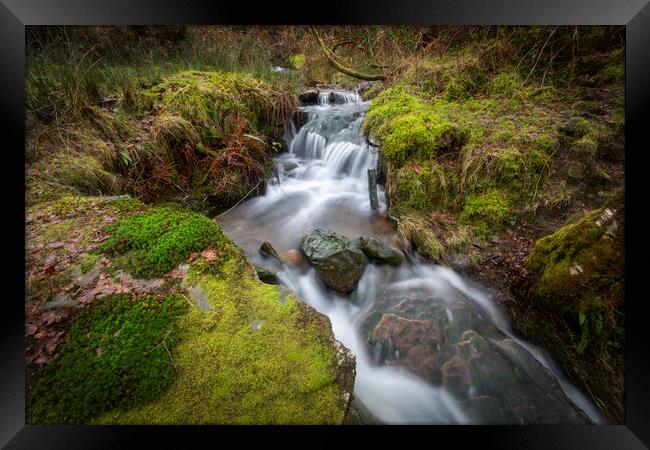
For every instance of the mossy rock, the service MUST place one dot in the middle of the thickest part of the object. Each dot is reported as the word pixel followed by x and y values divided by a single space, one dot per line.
pixel 113 360
pixel 153 243
pixel 257 355
pixel 578 264
pixel 406 125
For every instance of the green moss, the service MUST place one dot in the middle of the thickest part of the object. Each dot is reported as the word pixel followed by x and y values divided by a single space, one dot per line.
pixel 297 60
pixel 153 243
pixel 205 99
pixel 407 126
pixel 244 361
pixel 112 360
pixel 488 212
pixel 578 274
pixel 580 244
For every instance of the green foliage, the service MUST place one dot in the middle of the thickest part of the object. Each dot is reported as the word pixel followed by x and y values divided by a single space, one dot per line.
pixel 113 359
pixel 155 242
pixel 205 99
pixel 297 60
pixel 487 212
pixel 243 361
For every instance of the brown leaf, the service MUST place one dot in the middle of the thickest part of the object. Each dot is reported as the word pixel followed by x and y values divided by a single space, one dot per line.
pixel 30 329
pixel 209 254
pixel 55 245
pixel 52 345
pixel 177 273
pixel 40 360
pixel 40 335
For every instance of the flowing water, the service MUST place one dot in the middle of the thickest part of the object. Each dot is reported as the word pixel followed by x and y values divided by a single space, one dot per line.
pixel 450 356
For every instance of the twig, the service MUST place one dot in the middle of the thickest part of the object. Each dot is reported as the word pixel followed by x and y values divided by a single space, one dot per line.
pixel 539 56
pixel 172 359
pixel 188 300
pixel 161 342
pixel 241 200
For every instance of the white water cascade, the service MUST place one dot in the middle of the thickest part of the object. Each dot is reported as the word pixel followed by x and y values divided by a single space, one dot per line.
pixel 323 184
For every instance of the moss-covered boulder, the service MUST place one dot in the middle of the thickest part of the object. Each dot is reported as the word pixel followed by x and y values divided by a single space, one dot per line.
pixel 255 354
pixel 579 263
pixel 578 271
pixel 338 261
pixel 206 343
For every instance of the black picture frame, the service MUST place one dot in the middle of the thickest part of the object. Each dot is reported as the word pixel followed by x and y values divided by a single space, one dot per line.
pixel 634 14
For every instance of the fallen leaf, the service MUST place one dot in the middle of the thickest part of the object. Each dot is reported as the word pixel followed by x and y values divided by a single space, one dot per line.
pixel 30 329
pixel 52 345
pixel 209 254
pixel 177 273
pixel 40 360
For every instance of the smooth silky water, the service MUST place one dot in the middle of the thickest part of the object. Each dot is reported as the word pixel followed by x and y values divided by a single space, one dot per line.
pixel 327 188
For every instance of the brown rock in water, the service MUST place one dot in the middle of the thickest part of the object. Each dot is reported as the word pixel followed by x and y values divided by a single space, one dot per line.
pixel 292 256
pixel 415 340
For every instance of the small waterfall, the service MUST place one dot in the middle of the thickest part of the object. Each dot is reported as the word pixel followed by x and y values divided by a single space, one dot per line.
pixel 322 183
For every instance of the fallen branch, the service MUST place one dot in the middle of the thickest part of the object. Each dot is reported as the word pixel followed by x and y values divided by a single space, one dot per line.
pixel 336 63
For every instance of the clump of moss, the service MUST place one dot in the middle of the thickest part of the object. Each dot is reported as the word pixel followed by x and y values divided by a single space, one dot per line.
pixel 576 261
pixel 408 126
pixel 297 60
pixel 116 357
pixel 153 243
pixel 206 98
pixel 487 212
pixel 243 362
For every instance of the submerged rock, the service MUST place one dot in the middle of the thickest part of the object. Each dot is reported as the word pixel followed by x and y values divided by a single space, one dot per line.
pixel 267 249
pixel 288 166
pixel 378 251
pixel 267 276
pixel 338 261
pixel 292 256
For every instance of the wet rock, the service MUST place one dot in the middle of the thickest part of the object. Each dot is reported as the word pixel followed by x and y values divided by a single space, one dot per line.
pixel 267 249
pixel 459 263
pixel 338 261
pixel 288 166
pixel 267 276
pixel 309 97
pixel 299 118
pixel 413 342
pixel 378 251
